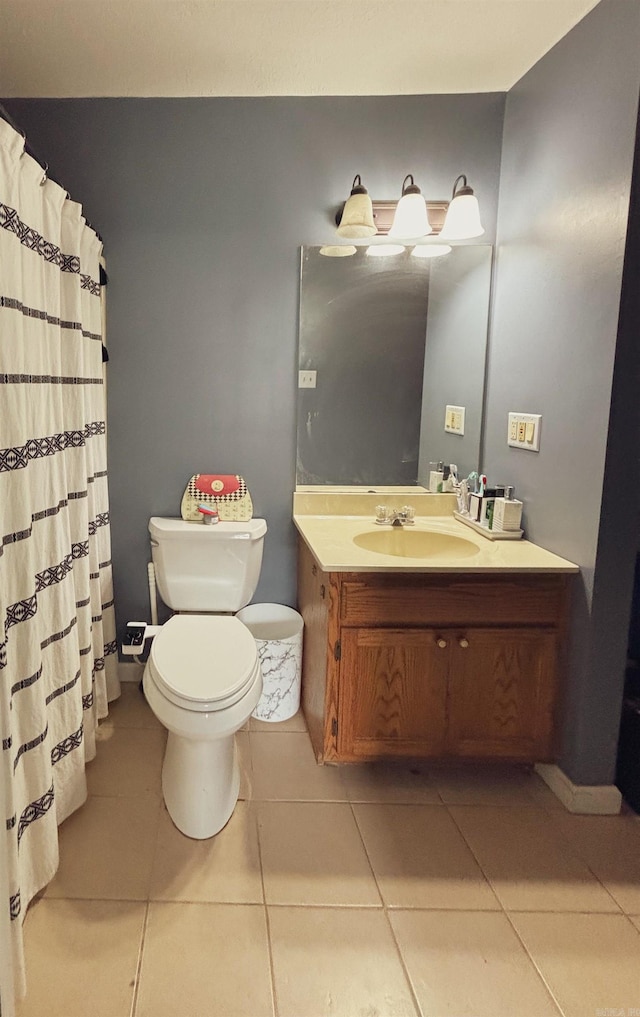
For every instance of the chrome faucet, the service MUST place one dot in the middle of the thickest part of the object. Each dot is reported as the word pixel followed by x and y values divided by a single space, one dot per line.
pixel 395 517
pixel 404 516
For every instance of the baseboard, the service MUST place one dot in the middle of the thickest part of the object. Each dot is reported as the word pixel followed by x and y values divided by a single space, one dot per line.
pixel 129 671
pixel 588 799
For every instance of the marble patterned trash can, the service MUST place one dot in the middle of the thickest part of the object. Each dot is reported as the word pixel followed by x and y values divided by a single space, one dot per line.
pixel 277 631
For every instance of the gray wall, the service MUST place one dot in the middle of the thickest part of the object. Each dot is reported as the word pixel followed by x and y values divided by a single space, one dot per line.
pixel 203 205
pixel 566 171
pixel 454 363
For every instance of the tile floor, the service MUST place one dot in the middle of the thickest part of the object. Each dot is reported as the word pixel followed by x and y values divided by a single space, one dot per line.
pixel 374 891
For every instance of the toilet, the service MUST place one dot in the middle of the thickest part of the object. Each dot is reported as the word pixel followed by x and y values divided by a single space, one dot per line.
pixel 202 678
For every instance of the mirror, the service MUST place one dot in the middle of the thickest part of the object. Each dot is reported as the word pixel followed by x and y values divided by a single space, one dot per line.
pixel 393 340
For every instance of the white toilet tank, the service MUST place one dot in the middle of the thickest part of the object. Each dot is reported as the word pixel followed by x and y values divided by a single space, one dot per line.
pixel 206 569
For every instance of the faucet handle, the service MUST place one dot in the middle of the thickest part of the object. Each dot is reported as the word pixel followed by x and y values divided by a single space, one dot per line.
pixel 409 513
pixel 382 514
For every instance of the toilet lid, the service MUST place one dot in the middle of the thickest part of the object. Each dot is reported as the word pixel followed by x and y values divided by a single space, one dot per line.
pixel 204 658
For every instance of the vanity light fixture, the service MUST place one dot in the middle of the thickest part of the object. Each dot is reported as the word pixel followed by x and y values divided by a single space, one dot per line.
pixel 462 221
pixel 457 219
pixel 431 250
pixel 357 215
pixel 411 219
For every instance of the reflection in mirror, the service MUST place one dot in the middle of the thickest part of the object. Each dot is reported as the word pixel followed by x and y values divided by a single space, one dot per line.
pixel 393 341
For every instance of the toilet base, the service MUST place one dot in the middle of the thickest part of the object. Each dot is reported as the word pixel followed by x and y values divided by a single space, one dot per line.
pixel 200 783
pixel 200 771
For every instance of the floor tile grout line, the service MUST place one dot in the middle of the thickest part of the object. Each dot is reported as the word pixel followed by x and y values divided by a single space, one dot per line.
pixel 367 855
pixel 156 848
pixel 469 847
pixel 284 905
pixel 563 911
pixel 145 794
pixel 534 963
pixel 272 974
pixel 138 975
pixel 563 839
pixel 347 906
pixel 632 923
pixel 354 907
pixel 529 805
pixel 274 995
pixel 392 908
pixel 305 801
pixel 574 852
pixel 414 996
pixel 109 725
pixel 387 910
pixel 441 803
pixel 248 777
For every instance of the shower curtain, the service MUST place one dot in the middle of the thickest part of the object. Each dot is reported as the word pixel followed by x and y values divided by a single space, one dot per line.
pixel 58 660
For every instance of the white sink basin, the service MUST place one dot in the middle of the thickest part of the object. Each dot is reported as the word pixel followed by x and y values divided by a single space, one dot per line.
pixel 409 543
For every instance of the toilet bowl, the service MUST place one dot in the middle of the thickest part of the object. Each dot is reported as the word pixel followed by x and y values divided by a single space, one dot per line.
pixel 202 681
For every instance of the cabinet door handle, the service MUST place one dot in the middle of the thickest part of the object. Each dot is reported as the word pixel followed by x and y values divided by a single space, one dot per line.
pixel 463 643
pixel 441 643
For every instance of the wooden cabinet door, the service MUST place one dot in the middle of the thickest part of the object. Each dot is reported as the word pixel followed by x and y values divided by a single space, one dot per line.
pixel 502 693
pixel 393 692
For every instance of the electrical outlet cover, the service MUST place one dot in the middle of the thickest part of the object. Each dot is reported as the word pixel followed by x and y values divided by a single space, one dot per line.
pixel 454 419
pixel 523 431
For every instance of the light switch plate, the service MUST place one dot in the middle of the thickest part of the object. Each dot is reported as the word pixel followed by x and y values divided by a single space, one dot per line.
pixel 523 431
pixel 454 419
pixel 306 379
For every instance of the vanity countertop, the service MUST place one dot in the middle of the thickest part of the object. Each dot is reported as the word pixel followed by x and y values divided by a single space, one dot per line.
pixel 330 538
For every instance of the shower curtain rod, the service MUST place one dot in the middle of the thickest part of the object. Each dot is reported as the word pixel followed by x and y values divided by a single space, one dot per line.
pixel 4 113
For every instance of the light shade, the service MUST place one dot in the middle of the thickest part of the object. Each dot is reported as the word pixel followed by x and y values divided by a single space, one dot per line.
pixel 411 219
pixel 462 221
pixel 357 215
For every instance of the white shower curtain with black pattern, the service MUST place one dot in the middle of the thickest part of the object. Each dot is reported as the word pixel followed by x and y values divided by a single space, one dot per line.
pixel 58 660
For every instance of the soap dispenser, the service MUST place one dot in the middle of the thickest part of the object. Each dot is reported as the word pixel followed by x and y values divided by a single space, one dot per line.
pixel 436 477
pixel 507 512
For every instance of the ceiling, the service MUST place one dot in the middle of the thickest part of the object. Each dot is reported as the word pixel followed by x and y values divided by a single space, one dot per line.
pixel 69 48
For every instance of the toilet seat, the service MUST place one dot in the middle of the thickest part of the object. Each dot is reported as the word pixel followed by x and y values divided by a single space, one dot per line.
pixel 204 662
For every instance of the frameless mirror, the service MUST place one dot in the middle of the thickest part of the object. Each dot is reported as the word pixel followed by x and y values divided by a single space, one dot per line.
pixel 393 341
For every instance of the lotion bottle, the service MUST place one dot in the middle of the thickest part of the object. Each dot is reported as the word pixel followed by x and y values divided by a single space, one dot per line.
pixel 507 512
pixel 436 477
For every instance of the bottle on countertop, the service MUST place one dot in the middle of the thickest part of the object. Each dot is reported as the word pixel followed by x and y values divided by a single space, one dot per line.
pixel 482 505
pixel 436 477
pixel 507 512
pixel 450 483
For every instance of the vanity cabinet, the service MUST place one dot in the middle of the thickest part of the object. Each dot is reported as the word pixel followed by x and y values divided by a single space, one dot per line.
pixel 428 664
